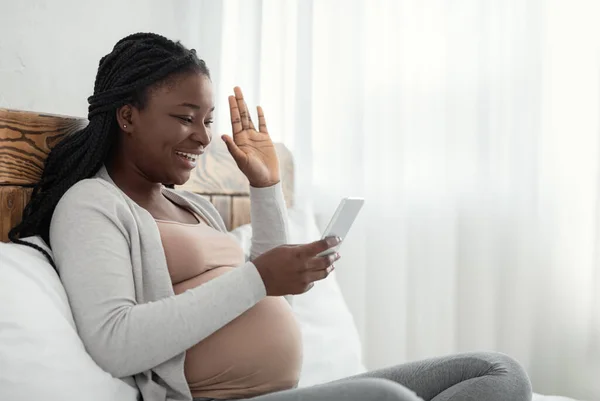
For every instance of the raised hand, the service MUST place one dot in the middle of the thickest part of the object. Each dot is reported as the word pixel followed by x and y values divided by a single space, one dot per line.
pixel 252 149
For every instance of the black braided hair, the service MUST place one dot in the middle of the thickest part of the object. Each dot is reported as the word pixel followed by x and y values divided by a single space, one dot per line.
pixel 137 63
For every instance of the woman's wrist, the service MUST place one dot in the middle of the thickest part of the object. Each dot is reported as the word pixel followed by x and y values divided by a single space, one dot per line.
pixel 264 185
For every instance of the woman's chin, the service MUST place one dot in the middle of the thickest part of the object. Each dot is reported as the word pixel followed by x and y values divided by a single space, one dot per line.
pixel 180 178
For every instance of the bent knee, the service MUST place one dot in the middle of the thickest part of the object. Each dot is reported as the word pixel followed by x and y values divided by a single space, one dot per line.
pixel 512 374
pixel 381 389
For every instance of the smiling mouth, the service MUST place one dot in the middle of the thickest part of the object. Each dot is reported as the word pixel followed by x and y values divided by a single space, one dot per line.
pixel 190 156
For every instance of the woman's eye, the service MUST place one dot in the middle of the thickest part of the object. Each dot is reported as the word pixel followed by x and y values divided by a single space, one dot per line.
pixel 187 119
pixel 208 123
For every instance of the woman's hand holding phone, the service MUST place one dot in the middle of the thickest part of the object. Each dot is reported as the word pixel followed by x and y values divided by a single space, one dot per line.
pixel 292 269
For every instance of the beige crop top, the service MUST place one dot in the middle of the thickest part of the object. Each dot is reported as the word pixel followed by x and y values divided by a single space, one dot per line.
pixel 257 353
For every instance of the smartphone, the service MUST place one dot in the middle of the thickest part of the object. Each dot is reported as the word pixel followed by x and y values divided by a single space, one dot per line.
pixel 342 220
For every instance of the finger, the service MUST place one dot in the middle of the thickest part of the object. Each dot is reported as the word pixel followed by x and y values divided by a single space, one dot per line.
pixel 317 275
pixel 233 149
pixel 315 248
pixel 236 120
pixel 262 122
pixel 323 262
pixel 239 96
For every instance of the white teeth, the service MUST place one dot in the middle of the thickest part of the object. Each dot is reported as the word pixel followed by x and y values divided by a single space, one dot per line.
pixel 189 156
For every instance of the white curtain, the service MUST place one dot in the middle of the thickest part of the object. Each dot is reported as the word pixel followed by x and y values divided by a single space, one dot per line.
pixel 471 128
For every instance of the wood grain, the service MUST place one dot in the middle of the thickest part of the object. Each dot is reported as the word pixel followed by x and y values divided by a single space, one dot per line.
pixel 12 202
pixel 25 141
pixel 240 211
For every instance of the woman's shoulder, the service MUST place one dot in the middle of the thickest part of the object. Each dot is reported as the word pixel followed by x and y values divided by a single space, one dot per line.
pixel 91 197
pixel 94 189
pixel 94 204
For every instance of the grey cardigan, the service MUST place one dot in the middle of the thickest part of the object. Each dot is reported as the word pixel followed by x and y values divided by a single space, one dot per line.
pixel 111 262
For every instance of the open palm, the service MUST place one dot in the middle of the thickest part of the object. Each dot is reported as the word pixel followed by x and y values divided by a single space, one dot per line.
pixel 252 149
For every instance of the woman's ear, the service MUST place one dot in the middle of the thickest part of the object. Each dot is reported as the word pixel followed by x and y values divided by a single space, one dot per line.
pixel 124 118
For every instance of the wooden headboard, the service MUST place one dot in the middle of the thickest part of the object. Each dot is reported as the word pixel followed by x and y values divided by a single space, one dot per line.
pixel 27 137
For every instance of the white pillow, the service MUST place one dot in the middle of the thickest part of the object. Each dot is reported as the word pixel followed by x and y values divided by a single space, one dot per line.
pixel 332 348
pixel 41 355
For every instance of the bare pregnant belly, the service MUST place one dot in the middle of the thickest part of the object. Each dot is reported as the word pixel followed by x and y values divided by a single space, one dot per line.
pixel 257 353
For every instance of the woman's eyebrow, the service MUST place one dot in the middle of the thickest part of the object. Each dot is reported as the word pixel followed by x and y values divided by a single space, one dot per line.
pixel 194 106
pixel 190 105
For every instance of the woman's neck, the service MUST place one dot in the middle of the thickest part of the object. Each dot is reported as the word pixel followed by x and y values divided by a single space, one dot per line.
pixel 131 180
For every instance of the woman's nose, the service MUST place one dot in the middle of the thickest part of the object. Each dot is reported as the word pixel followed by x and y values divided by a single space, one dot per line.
pixel 202 135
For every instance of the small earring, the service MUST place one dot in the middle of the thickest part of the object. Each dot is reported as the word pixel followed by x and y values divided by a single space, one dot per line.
pixel 124 126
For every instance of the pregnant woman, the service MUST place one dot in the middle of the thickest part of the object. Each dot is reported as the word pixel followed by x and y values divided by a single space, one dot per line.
pixel 163 297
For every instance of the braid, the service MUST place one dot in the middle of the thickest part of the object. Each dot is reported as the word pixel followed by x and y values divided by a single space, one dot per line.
pixel 137 63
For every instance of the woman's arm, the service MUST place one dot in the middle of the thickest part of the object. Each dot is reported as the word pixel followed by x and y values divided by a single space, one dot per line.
pixel 269 219
pixel 90 237
pixel 255 156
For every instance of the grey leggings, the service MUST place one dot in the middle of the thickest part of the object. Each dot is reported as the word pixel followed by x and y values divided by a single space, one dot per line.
pixel 463 377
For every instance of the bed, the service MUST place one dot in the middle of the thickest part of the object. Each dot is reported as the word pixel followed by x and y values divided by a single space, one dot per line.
pixel 332 346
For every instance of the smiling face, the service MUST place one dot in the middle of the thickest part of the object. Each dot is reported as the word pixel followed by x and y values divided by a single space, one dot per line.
pixel 163 139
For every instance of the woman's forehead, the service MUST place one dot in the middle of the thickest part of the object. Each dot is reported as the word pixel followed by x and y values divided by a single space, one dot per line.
pixel 195 89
